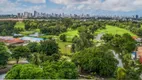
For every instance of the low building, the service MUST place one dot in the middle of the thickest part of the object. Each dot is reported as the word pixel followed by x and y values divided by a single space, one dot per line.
pixel 139 53
pixel 31 39
pixel 34 35
pixel 11 41
pixel 137 39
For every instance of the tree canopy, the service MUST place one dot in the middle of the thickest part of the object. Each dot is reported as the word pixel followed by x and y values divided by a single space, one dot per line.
pixel 97 59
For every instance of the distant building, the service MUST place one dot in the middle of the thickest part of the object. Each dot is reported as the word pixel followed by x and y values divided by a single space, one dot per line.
pixel 137 16
pixel 18 15
pixel 36 14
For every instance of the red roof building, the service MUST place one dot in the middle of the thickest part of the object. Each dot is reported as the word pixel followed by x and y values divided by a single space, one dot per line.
pixel 10 40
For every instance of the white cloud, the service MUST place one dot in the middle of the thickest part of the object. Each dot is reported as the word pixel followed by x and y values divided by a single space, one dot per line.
pixel 8 7
pixel 111 5
pixel 70 6
pixel 36 1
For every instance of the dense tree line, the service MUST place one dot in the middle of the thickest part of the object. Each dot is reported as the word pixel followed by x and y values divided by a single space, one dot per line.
pixel 7 28
pixel 48 70
pixel 4 55
pixel 99 60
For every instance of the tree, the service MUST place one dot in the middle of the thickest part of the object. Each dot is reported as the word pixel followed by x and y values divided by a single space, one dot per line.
pixel 35 59
pixel 63 37
pixel 49 47
pixel 4 54
pixel 73 48
pixel 26 71
pixel 97 59
pixel 139 32
pixel 107 37
pixel 128 45
pixel 85 40
pixel 59 70
pixel 34 47
pixel 67 22
pixel 48 70
pixel 20 52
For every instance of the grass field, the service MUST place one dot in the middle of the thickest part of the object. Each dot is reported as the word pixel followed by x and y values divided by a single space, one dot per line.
pixel 114 30
pixel 20 25
pixel 26 32
pixel 65 47
pixel 70 34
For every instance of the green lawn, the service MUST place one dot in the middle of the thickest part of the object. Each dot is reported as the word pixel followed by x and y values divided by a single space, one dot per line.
pixel 30 32
pixel 26 32
pixel 114 30
pixel 70 34
pixel 65 47
pixel 20 25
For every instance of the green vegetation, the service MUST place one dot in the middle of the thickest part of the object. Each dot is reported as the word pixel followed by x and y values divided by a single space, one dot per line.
pixel 65 47
pixel 26 32
pixel 114 30
pixel 70 51
pixel 20 25
pixel 70 34
pixel 7 28
pixel 49 47
pixel 26 71
pixel 63 38
pixel 98 60
pixel 4 55
pixel 49 70
pixel 20 52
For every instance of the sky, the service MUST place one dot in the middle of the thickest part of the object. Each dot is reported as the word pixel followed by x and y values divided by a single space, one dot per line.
pixel 93 7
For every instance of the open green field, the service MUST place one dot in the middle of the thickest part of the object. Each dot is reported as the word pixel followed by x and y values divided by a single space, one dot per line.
pixel 65 47
pixel 26 32
pixel 20 25
pixel 70 34
pixel 114 30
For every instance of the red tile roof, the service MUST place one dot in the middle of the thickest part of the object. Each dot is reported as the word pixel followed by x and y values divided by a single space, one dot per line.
pixel 15 40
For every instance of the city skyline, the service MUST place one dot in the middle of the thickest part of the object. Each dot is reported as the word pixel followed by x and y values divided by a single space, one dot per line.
pixel 98 7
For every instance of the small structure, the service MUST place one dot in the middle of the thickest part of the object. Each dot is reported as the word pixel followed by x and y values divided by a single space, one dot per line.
pixel 34 35
pixel 137 39
pixel 134 55
pixel 15 41
pixel 11 41
pixel 139 53
pixel 31 39
pixel 17 35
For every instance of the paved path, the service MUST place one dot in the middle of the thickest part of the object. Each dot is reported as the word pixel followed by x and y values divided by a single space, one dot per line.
pixel 119 60
pixel 98 37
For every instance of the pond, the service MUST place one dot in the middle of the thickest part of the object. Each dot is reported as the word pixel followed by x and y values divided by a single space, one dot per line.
pixel 2 76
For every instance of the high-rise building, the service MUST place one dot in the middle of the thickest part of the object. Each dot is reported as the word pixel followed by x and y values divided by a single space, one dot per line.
pixel 137 16
pixel 26 14
pixel 36 14
pixel 18 15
